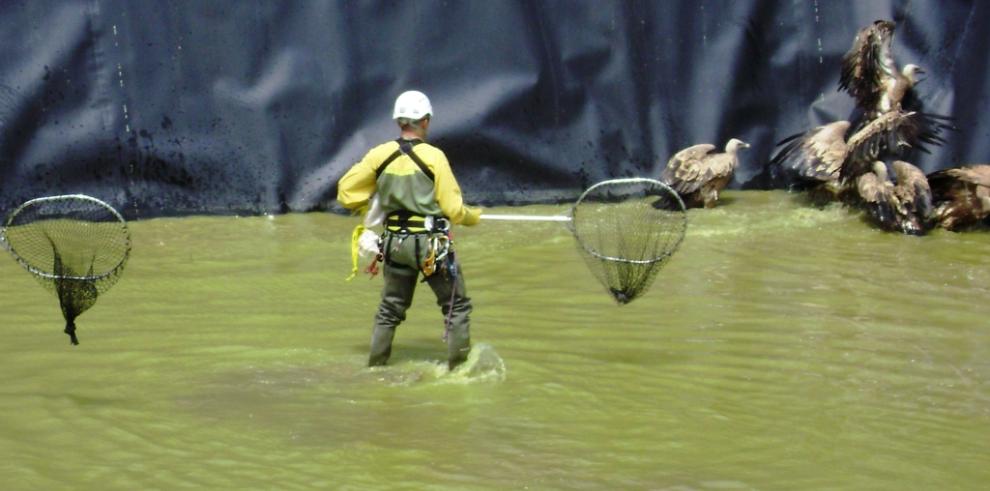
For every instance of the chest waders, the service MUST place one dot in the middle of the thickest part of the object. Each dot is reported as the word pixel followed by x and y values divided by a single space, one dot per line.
pixel 412 244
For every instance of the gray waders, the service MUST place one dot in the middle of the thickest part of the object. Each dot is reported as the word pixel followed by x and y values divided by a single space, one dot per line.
pixel 404 255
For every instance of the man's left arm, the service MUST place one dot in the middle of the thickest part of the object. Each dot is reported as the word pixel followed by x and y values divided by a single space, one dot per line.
pixel 448 194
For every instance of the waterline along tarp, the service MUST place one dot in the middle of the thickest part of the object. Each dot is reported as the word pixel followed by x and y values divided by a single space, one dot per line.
pixel 239 106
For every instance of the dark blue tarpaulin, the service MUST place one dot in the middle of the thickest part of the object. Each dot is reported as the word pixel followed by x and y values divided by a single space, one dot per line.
pixel 189 106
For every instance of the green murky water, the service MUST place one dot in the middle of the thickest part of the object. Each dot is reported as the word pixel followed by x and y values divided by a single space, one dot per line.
pixel 784 347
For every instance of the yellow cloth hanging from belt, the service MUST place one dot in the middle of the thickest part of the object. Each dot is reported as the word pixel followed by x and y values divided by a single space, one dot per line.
pixel 355 253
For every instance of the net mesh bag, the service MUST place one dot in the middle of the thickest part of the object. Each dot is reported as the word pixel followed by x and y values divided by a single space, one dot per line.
pixel 75 245
pixel 627 230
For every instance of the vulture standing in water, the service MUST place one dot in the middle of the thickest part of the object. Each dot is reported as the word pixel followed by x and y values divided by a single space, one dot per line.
pixel 870 74
pixel 698 175
pixel 962 195
pixel 904 207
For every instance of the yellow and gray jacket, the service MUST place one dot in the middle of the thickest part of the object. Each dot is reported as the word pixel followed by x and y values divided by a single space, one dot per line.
pixel 417 182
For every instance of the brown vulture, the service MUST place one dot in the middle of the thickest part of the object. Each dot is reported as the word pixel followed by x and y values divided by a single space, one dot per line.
pixel 698 174
pixel 813 158
pixel 904 207
pixel 894 133
pixel 961 195
pixel 870 75
pixel 830 162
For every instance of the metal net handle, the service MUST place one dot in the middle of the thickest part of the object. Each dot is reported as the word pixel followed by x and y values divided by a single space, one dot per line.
pixel 527 218
pixel 565 218
pixel 569 219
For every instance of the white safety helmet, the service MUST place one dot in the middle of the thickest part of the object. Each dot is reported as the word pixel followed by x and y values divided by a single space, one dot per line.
pixel 412 105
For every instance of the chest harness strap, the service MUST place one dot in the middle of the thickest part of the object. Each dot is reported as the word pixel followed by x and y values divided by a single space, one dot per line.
pixel 405 148
pixel 403 222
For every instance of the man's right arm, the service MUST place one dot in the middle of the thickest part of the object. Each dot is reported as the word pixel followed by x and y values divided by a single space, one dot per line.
pixel 358 184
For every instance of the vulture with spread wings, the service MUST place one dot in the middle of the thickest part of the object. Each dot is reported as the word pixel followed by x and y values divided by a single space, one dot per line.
pixel 824 158
pixel 870 74
pixel 812 160
pixel 894 133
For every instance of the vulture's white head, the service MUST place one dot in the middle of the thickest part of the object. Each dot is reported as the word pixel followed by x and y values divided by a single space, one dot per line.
pixel 734 145
pixel 912 72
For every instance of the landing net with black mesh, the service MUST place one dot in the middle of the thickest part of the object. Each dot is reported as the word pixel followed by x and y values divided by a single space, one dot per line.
pixel 76 246
pixel 626 231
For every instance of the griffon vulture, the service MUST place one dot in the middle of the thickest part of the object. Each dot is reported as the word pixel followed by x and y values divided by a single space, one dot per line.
pixel 831 163
pixel 902 207
pixel 698 174
pixel 813 159
pixel 961 195
pixel 870 75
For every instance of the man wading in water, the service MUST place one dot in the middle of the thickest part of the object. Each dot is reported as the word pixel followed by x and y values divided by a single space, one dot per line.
pixel 420 197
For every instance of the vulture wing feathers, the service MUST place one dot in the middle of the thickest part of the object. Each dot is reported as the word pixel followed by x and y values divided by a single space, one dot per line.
pixel 868 63
pixel 815 155
pixel 686 171
pixel 914 195
pixel 903 207
pixel 961 195
pixel 698 174
pixel 895 133
pixel 877 194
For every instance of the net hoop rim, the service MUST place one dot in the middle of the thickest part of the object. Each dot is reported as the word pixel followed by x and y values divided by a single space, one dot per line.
pixel 50 276
pixel 682 208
